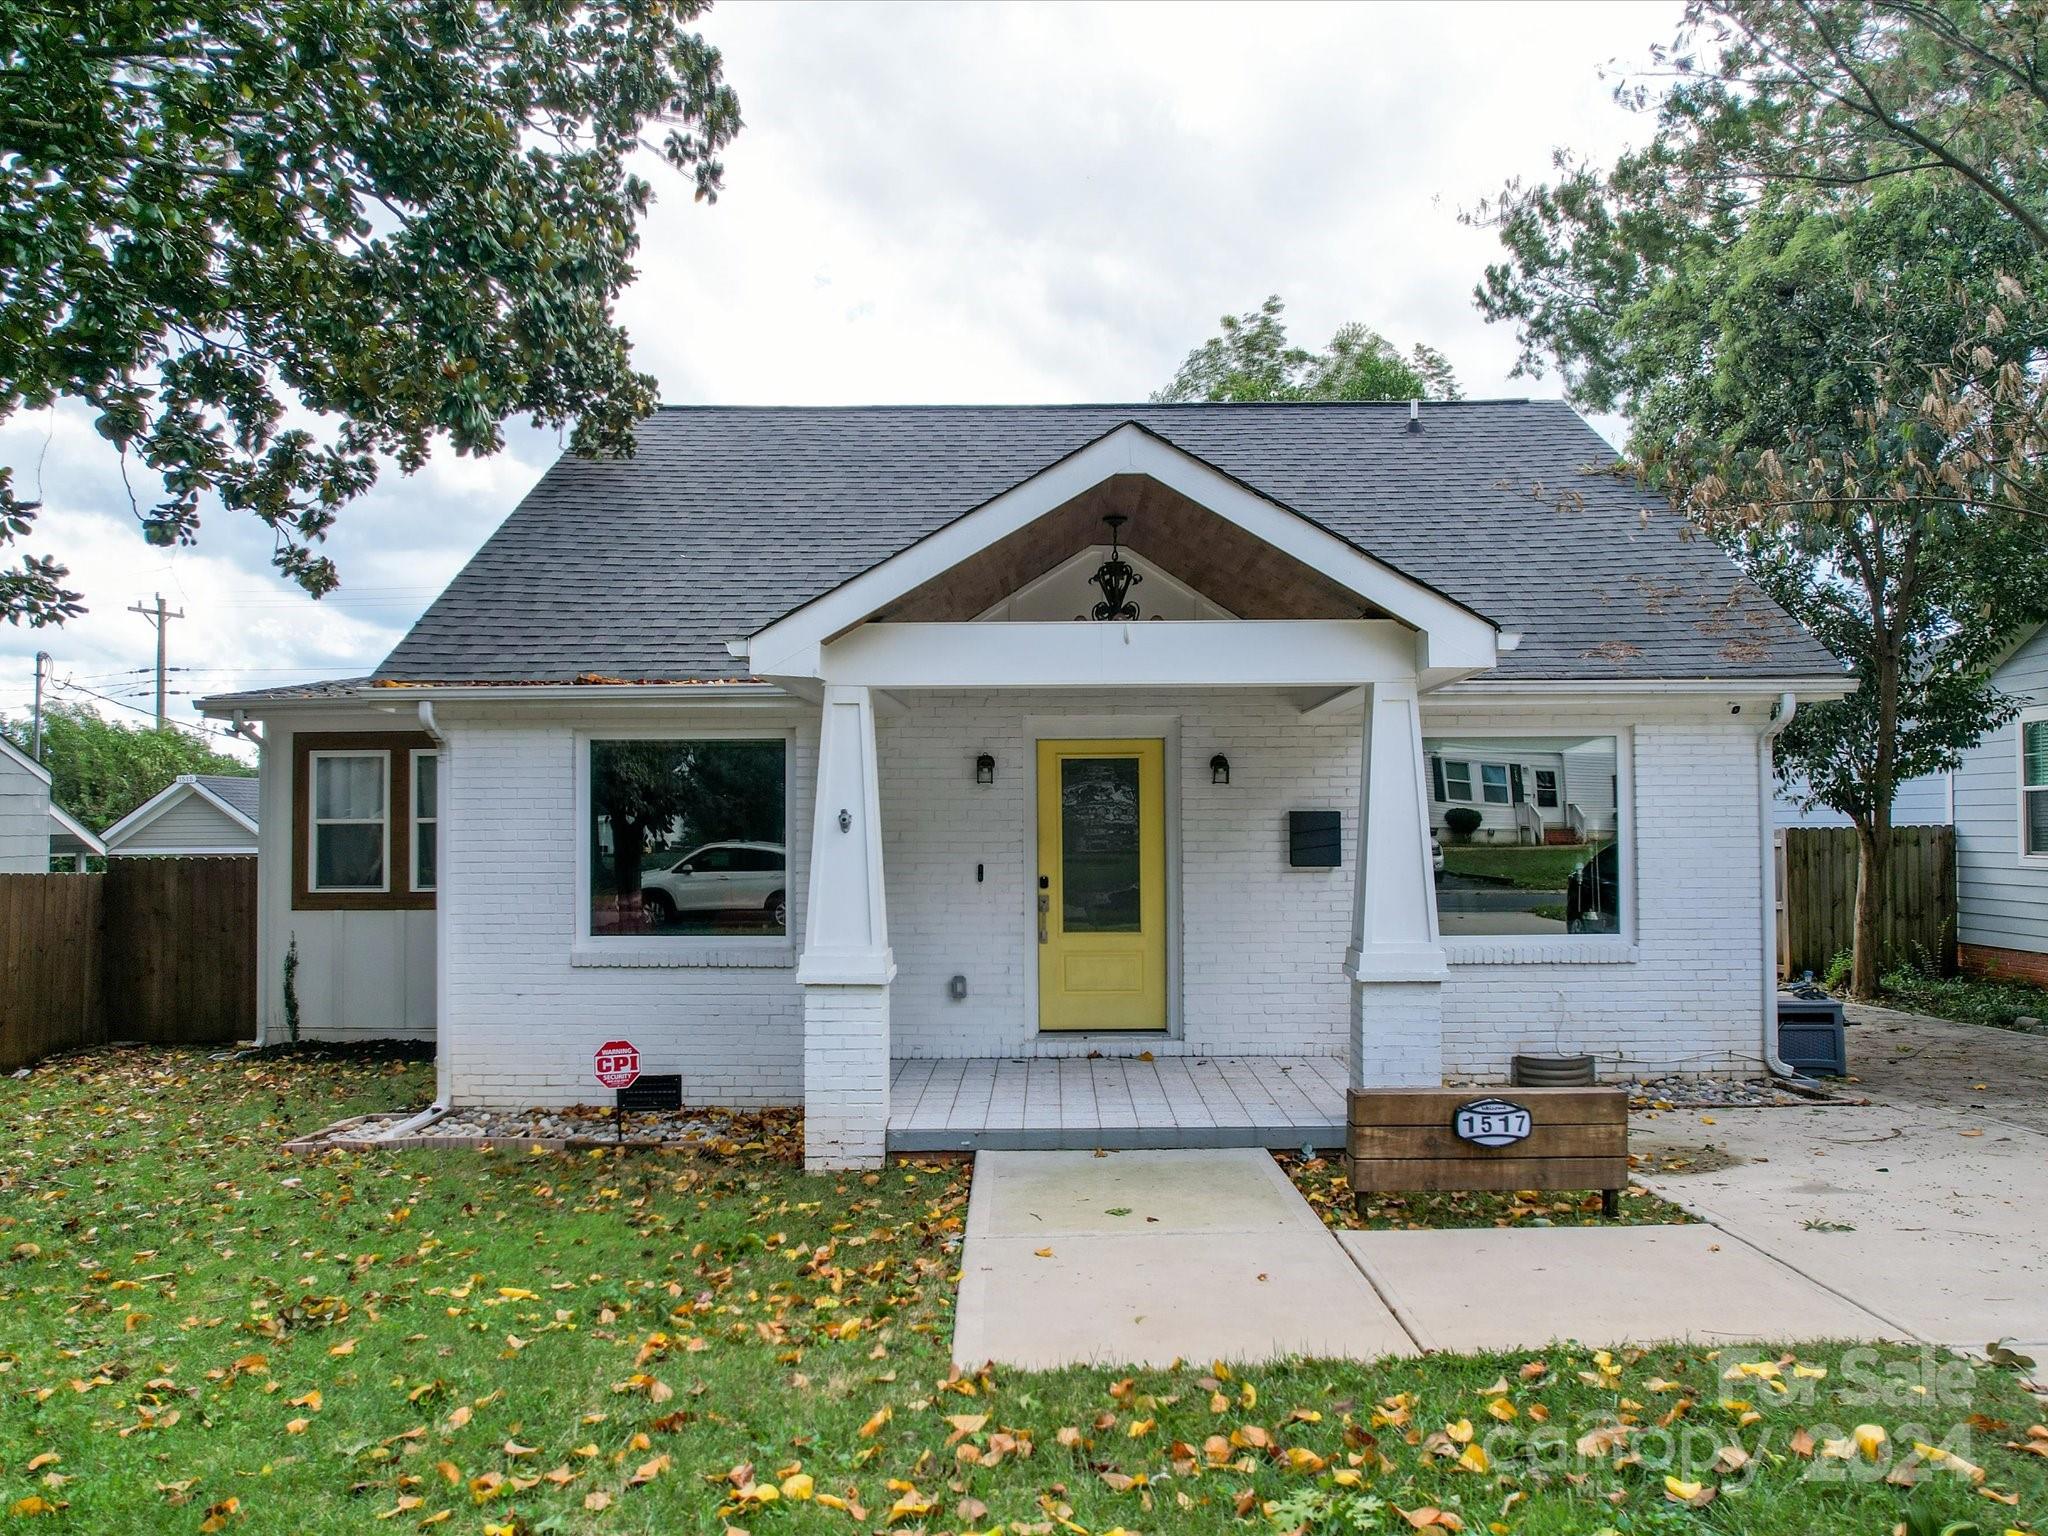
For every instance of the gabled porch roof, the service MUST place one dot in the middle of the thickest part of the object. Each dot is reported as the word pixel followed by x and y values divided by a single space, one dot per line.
pixel 1337 612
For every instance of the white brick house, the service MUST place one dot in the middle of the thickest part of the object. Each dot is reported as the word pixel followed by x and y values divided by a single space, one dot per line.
pixel 817 752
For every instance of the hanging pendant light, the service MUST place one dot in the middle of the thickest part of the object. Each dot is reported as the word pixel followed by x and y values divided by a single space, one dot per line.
pixel 1115 577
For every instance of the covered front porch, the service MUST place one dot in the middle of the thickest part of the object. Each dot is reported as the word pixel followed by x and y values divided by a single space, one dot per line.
pixel 1111 891
pixel 1032 1104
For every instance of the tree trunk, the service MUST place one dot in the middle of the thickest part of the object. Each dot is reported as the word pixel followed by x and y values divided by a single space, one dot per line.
pixel 1873 867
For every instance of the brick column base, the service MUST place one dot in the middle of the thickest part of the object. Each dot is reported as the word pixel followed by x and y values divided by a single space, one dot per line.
pixel 1397 1034
pixel 846 1076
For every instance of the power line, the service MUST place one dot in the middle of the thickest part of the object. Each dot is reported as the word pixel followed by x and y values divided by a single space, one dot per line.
pixel 162 620
pixel 201 730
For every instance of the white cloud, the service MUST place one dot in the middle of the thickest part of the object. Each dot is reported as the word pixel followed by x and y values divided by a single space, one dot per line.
pixel 945 203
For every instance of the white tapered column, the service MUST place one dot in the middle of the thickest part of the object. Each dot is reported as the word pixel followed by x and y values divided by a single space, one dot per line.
pixel 1395 959
pixel 846 966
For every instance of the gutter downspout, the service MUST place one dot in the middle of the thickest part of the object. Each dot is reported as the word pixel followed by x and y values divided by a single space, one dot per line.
pixel 238 724
pixel 444 1072
pixel 1766 798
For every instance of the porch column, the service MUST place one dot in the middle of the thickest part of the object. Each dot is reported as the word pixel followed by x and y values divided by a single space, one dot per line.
pixel 1395 959
pixel 846 966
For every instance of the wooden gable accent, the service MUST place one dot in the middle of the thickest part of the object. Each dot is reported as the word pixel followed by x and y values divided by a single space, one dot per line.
pixel 1209 553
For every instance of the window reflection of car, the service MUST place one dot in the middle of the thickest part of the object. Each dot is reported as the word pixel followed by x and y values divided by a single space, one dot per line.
pixel 719 878
pixel 1436 854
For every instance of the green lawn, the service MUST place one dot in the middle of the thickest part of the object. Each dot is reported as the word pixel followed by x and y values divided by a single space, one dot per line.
pixel 1539 868
pixel 201 1334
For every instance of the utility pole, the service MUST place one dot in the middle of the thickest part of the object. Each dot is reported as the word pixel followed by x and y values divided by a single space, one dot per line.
pixel 161 619
pixel 42 661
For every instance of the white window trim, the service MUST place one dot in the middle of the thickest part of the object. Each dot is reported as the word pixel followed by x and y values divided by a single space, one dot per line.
pixel 656 951
pixel 2035 714
pixel 1536 778
pixel 314 821
pixel 413 818
pixel 1471 782
pixel 1507 785
pixel 1563 948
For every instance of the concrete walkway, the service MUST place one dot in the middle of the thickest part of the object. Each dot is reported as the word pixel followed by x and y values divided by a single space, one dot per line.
pixel 1920 1215
pixel 1142 1258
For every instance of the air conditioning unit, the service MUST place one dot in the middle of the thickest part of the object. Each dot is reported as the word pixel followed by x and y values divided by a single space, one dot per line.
pixel 1811 1038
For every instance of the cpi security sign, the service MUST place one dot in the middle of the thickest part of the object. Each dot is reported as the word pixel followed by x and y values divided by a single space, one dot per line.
pixel 1491 1123
pixel 616 1063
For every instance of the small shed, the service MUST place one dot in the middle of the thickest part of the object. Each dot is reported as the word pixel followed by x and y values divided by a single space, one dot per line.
pixel 198 814
pixel 72 841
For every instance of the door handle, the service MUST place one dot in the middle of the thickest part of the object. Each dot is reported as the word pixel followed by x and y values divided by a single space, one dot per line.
pixel 1044 910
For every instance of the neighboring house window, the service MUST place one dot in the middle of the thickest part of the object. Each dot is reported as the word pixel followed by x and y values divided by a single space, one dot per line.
pixel 688 838
pixel 1493 884
pixel 365 820
pixel 426 819
pixel 351 825
pixel 1457 781
pixel 2034 784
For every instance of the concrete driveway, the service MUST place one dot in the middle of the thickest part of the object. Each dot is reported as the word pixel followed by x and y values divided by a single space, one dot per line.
pixel 1927 1207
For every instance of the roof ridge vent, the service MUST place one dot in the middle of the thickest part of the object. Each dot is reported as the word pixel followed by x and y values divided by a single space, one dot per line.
pixel 1414 415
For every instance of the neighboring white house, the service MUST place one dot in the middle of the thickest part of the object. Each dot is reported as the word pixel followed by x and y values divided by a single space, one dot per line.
pixel 1076 731
pixel 25 824
pixel 195 814
pixel 2001 815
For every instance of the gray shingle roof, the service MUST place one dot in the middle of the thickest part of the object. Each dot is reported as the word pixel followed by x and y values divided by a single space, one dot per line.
pixel 239 790
pixel 727 518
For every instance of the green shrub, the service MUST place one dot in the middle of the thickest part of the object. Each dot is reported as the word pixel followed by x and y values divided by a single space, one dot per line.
pixel 1461 821
pixel 1836 976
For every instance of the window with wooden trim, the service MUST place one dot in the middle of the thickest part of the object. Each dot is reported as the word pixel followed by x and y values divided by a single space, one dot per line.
pixel 426 819
pixel 356 842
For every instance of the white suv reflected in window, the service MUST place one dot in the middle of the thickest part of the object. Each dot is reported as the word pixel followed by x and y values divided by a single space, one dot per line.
pixel 719 878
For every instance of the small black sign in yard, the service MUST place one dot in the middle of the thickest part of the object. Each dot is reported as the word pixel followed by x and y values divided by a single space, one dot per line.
pixel 653 1091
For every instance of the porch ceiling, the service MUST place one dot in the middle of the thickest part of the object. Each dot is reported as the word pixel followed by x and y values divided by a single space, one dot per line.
pixel 1211 554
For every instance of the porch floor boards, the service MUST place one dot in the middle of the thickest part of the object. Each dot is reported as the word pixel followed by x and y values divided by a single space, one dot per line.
pixel 1074 1103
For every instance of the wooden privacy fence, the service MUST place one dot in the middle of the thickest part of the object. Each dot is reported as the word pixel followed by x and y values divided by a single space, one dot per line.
pixel 157 950
pixel 1817 898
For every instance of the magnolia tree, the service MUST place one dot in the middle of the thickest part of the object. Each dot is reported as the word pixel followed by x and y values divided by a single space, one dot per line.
pixel 273 246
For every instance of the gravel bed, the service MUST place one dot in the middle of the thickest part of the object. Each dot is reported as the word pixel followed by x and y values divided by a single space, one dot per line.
pixel 1720 1093
pixel 716 1129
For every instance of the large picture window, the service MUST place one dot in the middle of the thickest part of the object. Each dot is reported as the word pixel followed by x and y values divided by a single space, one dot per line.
pixel 1514 863
pixel 687 837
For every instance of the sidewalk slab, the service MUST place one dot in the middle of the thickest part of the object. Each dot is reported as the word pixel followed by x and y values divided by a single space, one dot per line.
pixel 1210 1255
pixel 1520 1288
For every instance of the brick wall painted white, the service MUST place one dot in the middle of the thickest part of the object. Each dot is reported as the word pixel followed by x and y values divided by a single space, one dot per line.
pixel 1260 951
pixel 524 1017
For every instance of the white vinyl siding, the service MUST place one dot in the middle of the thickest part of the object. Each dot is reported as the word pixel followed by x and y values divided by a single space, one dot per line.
pixel 2001 889
pixel 24 818
pixel 193 825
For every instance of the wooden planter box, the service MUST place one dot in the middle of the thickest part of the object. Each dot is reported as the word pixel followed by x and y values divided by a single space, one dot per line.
pixel 1404 1139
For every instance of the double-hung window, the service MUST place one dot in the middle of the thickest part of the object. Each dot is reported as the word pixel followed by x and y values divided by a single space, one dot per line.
pixel 2034 783
pixel 366 809
pixel 1457 780
pixel 1493 783
pixel 351 826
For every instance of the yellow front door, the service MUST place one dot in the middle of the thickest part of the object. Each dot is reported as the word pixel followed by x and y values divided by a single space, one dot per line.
pixel 1101 885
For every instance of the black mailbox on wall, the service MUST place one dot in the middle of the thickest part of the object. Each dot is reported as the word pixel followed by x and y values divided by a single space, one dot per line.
pixel 1315 839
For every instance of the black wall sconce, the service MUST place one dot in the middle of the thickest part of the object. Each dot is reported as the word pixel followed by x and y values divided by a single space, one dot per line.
pixel 984 769
pixel 1219 769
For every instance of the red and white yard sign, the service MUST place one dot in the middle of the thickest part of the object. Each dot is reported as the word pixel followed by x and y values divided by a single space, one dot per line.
pixel 617 1063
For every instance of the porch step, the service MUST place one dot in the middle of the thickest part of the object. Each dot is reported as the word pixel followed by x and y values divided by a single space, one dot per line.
pixel 1074 1103
pixel 1327 1136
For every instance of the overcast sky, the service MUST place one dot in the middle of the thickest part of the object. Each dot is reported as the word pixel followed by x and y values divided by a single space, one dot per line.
pixel 937 202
